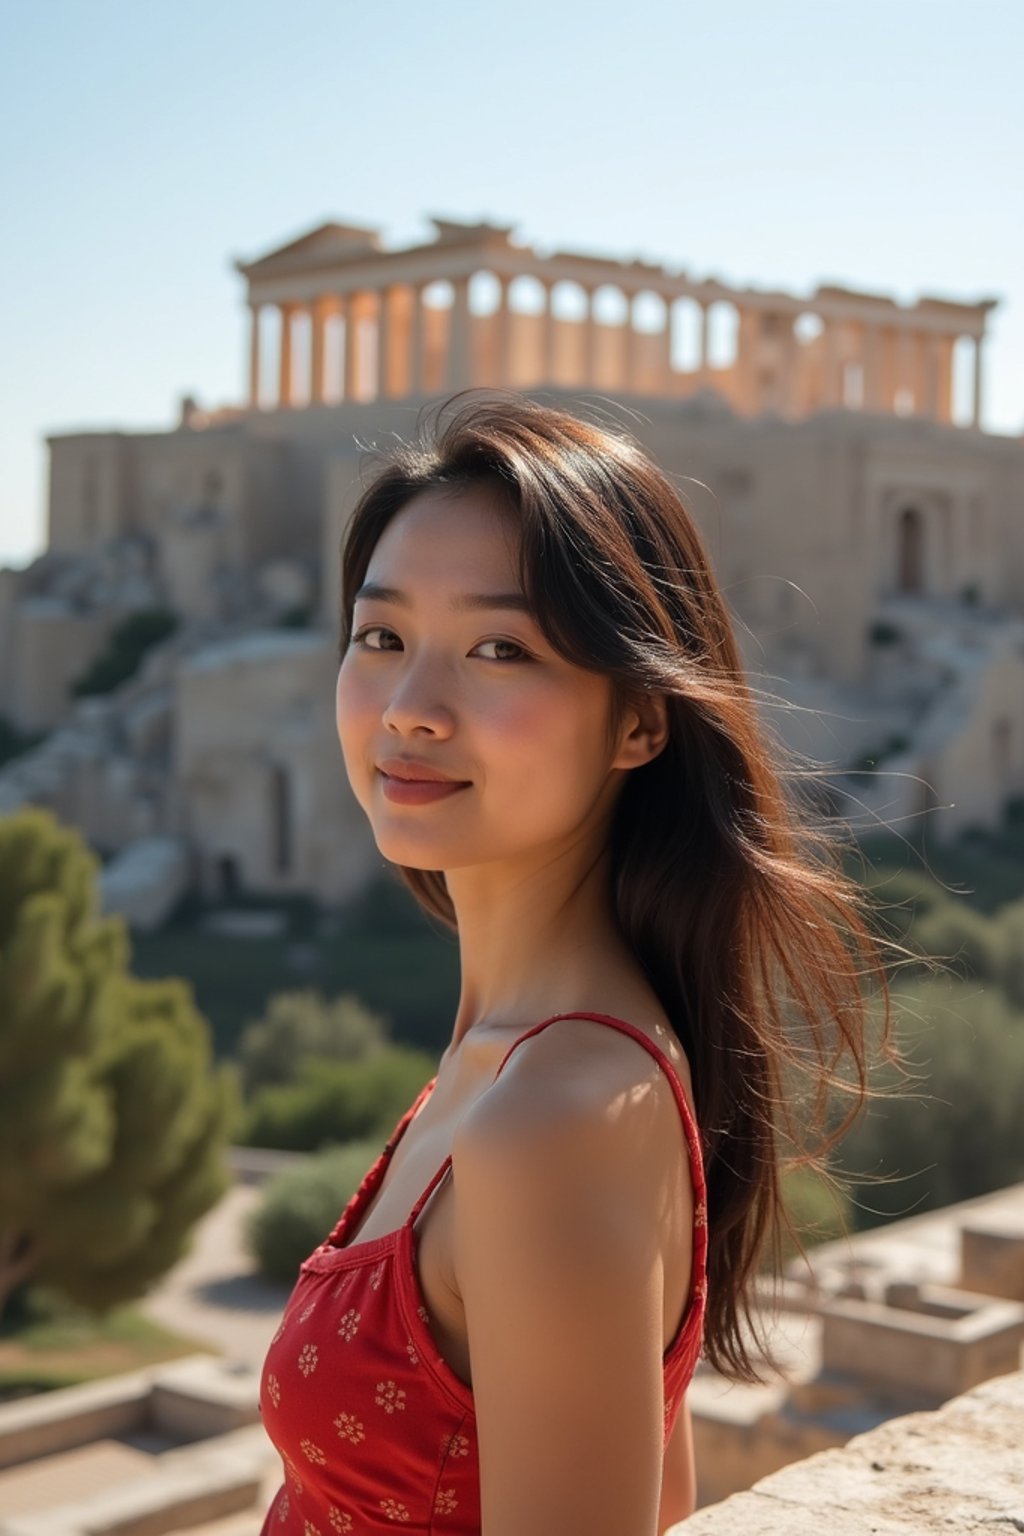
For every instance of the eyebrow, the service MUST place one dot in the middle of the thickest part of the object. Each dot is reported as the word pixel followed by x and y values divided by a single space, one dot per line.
pixel 463 603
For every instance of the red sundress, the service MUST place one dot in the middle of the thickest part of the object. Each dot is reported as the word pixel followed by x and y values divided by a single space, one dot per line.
pixel 374 1428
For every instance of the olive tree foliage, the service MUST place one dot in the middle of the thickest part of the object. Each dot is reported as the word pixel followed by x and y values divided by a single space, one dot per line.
pixel 113 1120
pixel 300 1024
pixel 947 1127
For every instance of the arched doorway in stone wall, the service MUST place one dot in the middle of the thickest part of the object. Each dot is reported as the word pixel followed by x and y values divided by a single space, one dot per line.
pixel 280 820
pixel 229 879
pixel 910 550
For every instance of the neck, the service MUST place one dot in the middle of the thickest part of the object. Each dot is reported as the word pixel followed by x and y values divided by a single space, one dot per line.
pixel 535 939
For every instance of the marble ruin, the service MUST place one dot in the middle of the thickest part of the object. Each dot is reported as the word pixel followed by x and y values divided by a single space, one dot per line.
pixel 865 529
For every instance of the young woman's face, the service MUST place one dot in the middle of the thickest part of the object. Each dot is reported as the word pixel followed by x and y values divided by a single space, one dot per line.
pixel 449 675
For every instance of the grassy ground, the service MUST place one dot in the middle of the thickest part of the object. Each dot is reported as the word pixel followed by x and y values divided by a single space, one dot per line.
pixel 62 1348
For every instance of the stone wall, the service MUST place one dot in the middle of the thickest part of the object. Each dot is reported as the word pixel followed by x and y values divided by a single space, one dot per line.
pixel 958 1470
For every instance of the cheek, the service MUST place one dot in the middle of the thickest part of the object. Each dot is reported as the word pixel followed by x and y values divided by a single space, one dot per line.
pixel 353 711
pixel 561 731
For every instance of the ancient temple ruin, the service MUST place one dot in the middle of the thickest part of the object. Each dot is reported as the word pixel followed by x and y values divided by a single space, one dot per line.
pixel 338 317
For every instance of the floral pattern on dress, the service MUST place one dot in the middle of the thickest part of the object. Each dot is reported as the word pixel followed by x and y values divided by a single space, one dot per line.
pixel 349 1325
pixel 313 1453
pixel 445 1501
pixel 350 1428
pixel 341 1521
pixel 274 1390
pixel 394 1510
pixel 455 1445
pixel 390 1396
pixel 308 1356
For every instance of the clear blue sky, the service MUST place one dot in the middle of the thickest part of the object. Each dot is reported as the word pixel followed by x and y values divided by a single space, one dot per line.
pixel 877 143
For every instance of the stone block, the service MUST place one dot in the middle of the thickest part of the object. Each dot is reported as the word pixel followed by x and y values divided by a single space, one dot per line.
pixel 933 1356
pixel 992 1258
pixel 72 1416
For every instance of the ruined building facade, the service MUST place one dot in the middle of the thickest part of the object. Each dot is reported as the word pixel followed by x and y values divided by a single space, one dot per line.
pixel 866 531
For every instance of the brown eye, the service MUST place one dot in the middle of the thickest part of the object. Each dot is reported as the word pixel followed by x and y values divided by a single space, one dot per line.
pixel 520 652
pixel 386 639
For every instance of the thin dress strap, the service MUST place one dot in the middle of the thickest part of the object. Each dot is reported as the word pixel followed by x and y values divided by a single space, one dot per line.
pixel 660 1056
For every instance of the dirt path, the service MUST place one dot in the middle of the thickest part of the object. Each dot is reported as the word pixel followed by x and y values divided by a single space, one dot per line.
pixel 215 1295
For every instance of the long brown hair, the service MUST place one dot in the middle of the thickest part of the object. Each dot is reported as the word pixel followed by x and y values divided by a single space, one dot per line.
pixel 728 882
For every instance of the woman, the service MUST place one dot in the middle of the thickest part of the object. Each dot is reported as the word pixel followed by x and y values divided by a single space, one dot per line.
pixel 541 712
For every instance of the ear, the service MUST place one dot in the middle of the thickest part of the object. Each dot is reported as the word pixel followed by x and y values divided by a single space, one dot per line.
pixel 644 731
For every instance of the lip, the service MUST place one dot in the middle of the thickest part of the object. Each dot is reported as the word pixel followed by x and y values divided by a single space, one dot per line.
pixel 412 770
pixel 407 781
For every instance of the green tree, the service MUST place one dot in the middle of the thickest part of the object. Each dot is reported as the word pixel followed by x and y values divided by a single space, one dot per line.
pixel 112 1119
pixel 297 1025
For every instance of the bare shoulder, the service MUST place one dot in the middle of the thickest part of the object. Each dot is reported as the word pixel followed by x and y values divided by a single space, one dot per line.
pixel 577 1067
pixel 580 1108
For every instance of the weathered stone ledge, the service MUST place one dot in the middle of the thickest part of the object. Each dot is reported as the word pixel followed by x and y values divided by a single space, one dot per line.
pixel 958 1470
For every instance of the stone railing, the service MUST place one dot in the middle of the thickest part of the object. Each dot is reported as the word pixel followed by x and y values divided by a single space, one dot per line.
pixel 958 1469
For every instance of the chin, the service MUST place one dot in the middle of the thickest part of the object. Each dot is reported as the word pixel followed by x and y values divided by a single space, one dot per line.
pixel 411 852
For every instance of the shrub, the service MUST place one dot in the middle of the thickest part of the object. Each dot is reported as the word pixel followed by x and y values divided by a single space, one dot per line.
pixel 338 1101
pixel 953 1132
pixel 301 1024
pixel 301 1206
pixel 13 743
pixel 818 1210
pixel 130 641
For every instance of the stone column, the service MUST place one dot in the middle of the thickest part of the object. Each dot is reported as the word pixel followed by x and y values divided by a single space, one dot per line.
pixel 503 336
pixel 631 339
pixel 317 320
pixel 928 368
pixel 945 379
pixel 871 358
pixel 547 336
pixel 976 412
pixel 284 370
pixel 905 373
pixel 385 299
pixel 746 367
pixel 830 393
pixel 351 362
pixel 460 363
pixel 254 358
pixel 418 350
pixel 666 370
pixel 589 340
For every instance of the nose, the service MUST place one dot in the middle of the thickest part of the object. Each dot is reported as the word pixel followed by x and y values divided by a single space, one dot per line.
pixel 417 705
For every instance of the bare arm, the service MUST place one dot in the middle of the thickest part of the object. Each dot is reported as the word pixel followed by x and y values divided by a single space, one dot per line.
pixel 557 1262
pixel 679 1478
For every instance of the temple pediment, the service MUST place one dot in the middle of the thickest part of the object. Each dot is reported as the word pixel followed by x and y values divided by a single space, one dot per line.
pixel 327 244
